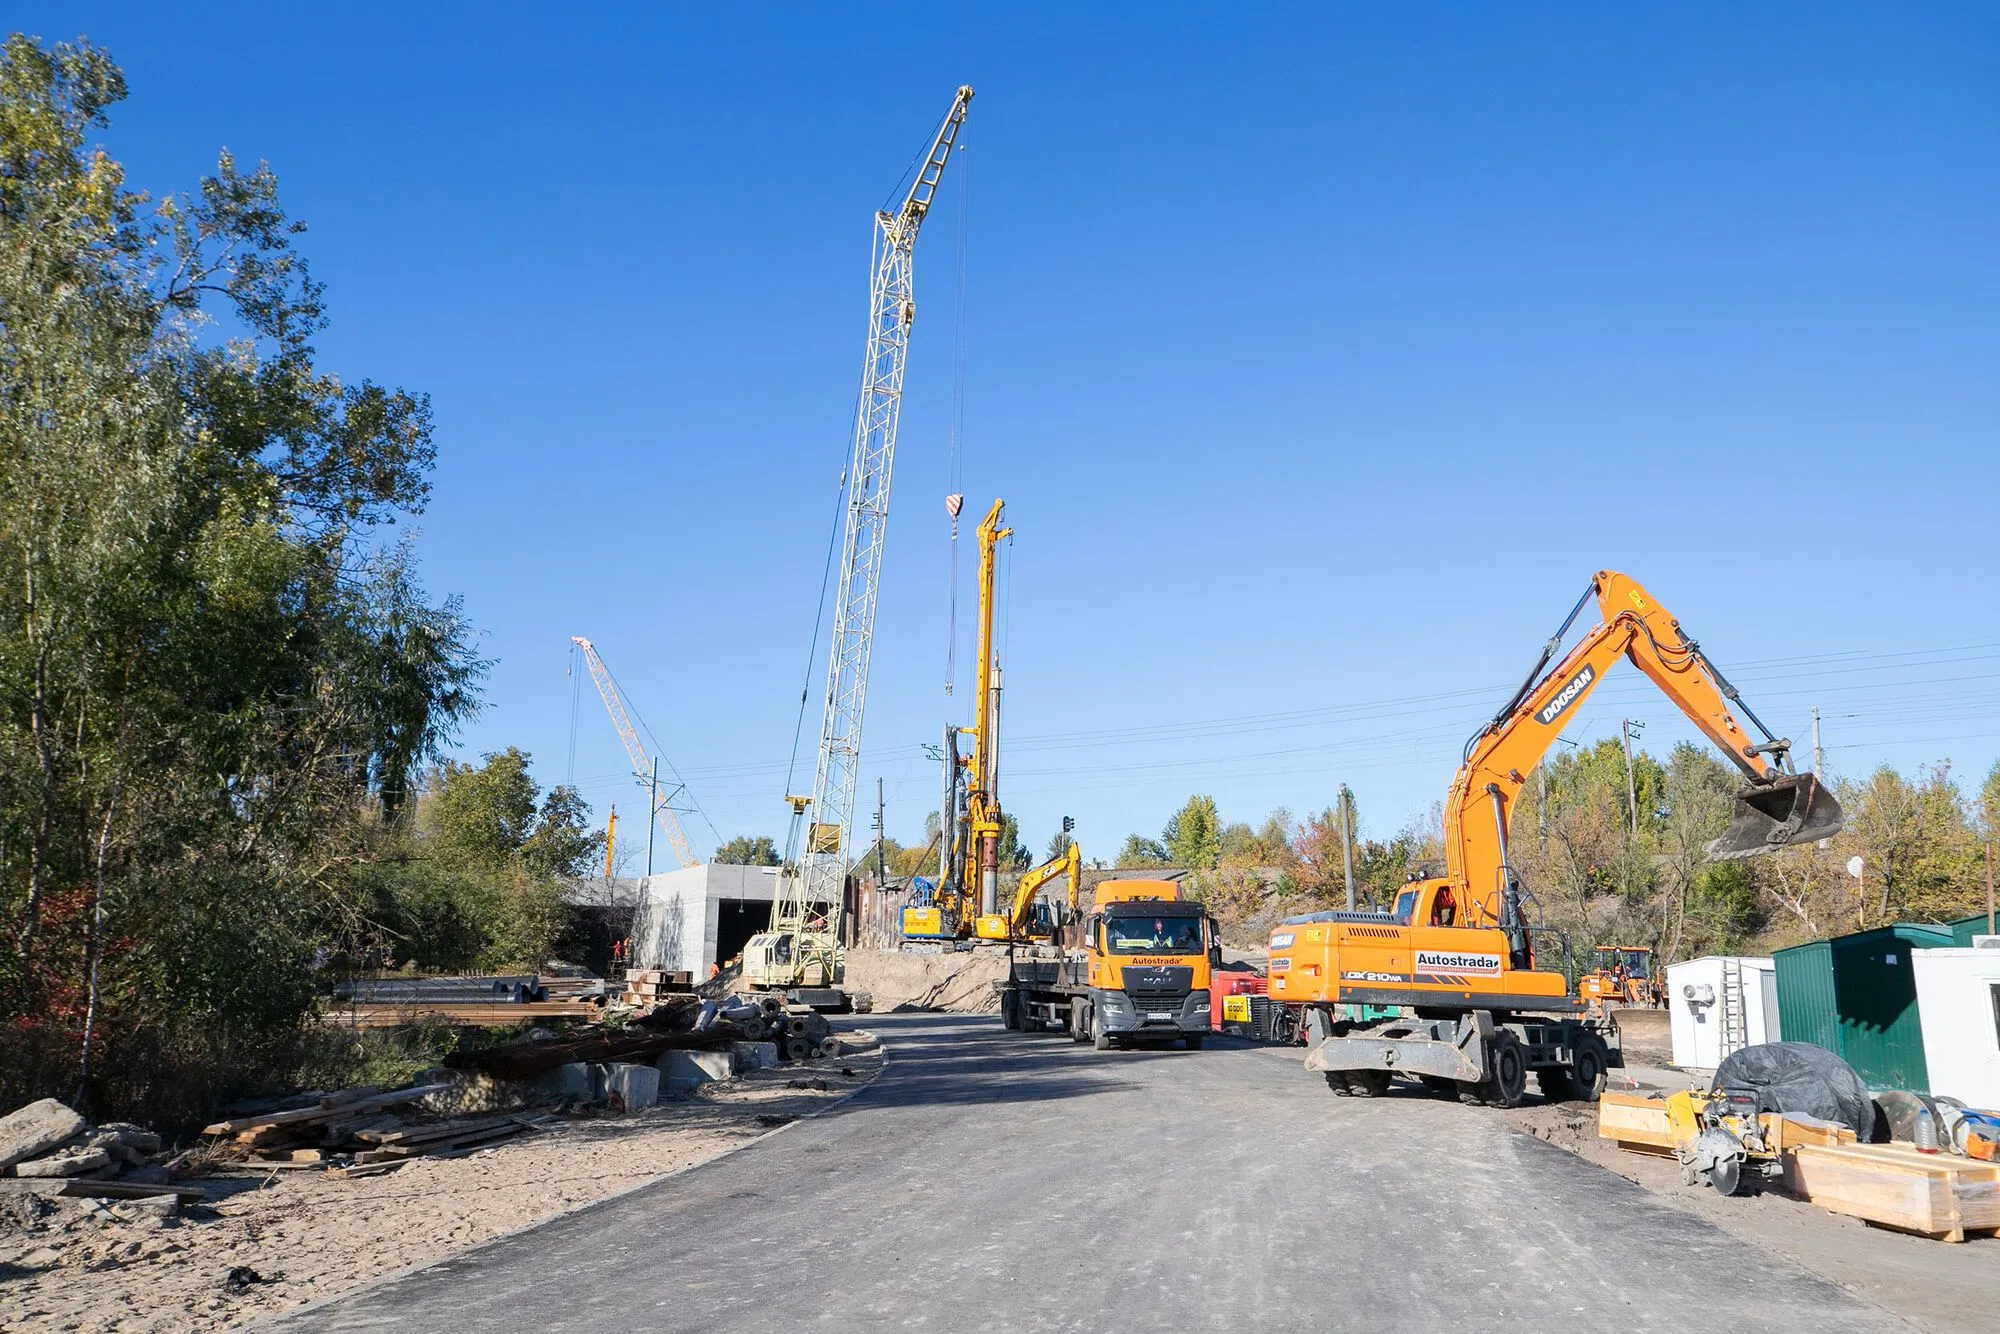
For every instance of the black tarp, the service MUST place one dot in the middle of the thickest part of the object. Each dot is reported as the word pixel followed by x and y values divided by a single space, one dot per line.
pixel 1802 1079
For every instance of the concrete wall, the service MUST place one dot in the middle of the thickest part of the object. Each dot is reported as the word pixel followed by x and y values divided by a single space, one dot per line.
pixel 1958 995
pixel 679 911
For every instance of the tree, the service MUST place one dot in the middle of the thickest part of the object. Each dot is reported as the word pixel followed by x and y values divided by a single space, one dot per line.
pixel 748 850
pixel 221 682
pixel 1193 838
pixel 1140 851
pixel 1013 854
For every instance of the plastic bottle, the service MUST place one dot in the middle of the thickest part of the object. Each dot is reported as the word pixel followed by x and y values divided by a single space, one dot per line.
pixel 1924 1135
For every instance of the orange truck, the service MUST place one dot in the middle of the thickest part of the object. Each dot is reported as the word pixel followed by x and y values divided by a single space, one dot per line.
pixel 1456 956
pixel 1140 975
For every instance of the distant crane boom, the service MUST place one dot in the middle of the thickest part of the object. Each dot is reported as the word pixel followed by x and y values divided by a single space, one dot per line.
pixel 642 763
pixel 810 888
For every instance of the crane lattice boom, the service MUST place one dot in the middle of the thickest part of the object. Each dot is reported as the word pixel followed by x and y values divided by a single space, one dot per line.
pixel 810 889
pixel 642 763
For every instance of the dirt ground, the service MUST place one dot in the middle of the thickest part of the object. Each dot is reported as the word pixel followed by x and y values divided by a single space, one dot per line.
pixel 1934 1284
pixel 960 982
pixel 81 1266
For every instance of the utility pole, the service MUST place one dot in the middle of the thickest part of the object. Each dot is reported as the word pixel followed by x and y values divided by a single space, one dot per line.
pixel 655 800
pixel 1346 845
pixel 1625 726
pixel 881 858
pixel 1819 756
pixel 1989 889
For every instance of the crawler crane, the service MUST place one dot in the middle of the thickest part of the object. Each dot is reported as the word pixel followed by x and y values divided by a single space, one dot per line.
pixel 1456 956
pixel 801 950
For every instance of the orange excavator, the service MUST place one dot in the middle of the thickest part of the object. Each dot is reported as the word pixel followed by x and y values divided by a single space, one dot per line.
pixel 1456 955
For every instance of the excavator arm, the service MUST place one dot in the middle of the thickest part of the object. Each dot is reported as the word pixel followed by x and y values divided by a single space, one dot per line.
pixel 1015 924
pixel 1780 807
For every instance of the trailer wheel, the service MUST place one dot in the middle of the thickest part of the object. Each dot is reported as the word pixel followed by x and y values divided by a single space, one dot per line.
pixel 1510 1070
pixel 1589 1066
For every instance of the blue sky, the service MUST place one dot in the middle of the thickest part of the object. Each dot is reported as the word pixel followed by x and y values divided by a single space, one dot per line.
pixel 1321 353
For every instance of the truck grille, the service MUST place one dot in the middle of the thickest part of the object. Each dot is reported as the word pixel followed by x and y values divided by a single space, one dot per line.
pixel 1157 1000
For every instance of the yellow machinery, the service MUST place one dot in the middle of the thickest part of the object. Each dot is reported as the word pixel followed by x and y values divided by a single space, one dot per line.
pixel 1623 975
pixel 968 886
pixel 1718 1135
pixel 1022 922
pixel 1455 953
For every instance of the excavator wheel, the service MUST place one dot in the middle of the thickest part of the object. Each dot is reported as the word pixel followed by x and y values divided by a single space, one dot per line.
pixel 1508 1083
pixel 1589 1067
pixel 1444 1088
pixel 1474 1095
pixel 1367 1083
pixel 1337 1081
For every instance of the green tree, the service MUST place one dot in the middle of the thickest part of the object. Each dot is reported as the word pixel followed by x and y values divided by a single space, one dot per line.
pixel 1193 838
pixel 748 850
pixel 1014 854
pixel 1140 851
pixel 220 680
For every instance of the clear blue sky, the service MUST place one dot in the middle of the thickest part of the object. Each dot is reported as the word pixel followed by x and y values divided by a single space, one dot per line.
pixel 1321 353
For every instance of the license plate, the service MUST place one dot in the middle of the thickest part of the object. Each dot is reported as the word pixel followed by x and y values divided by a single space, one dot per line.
pixel 1158 1014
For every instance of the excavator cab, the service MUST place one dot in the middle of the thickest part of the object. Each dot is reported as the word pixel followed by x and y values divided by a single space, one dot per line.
pixel 1792 808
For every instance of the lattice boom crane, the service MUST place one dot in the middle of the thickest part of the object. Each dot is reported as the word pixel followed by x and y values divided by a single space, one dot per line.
pixel 642 763
pixel 805 920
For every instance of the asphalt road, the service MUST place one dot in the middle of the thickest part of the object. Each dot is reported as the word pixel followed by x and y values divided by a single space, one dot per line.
pixel 991 1180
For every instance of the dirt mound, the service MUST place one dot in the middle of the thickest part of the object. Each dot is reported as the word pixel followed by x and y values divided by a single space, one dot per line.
pixel 1644 1034
pixel 959 983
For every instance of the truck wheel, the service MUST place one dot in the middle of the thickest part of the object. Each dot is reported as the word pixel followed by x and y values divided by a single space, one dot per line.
pixel 1192 1041
pixel 1510 1070
pixel 1010 1011
pixel 1589 1067
pixel 1079 1021
pixel 1099 1039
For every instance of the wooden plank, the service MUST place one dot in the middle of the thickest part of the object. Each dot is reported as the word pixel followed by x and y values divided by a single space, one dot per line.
pixel 1634 1122
pixel 78 1189
pixel 305 1115
pixel 1895 1186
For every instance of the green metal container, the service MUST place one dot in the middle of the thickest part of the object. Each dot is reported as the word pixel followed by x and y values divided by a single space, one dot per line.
pixel 1965 928
pixel 1857 997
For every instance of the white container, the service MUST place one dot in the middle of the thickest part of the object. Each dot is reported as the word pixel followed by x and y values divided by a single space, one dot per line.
pixel 1958 997
pixel 1695 992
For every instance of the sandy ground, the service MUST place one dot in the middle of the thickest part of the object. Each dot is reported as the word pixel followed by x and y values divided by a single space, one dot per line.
pixel 308 1236
pixel 960 982
pixel 1934 1284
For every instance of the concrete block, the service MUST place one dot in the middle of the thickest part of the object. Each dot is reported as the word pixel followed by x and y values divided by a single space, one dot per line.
pixel 72 1164
pixel 577 1081
pixel 684 1070
pixel 636 1086
pixel 747 1056
pixel 35 1129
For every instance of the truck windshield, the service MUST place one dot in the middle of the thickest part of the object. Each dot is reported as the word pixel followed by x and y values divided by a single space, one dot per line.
pixel 1154 935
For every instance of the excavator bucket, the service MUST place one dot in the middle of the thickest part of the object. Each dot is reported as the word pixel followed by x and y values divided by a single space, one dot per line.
pixel 1796 808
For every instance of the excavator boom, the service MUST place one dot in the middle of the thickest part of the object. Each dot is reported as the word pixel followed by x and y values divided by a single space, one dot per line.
pixel 1778 808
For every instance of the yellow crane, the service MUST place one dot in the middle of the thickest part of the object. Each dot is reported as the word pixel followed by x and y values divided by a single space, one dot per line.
pixel 966 900
pixel 642 763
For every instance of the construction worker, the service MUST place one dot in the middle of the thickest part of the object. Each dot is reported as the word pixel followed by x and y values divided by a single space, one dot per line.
pixel 1444 910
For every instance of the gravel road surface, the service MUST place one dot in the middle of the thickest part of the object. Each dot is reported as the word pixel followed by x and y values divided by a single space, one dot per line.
pixel 992 1180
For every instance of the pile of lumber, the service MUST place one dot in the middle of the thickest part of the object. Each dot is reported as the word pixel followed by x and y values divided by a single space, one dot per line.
pixel 646 987
pixel 465 1014
pixel 524 1060
pixel 354 1129
pixel 1892 1185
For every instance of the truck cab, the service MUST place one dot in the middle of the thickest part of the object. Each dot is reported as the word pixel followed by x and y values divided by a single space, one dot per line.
pixel 1140 974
